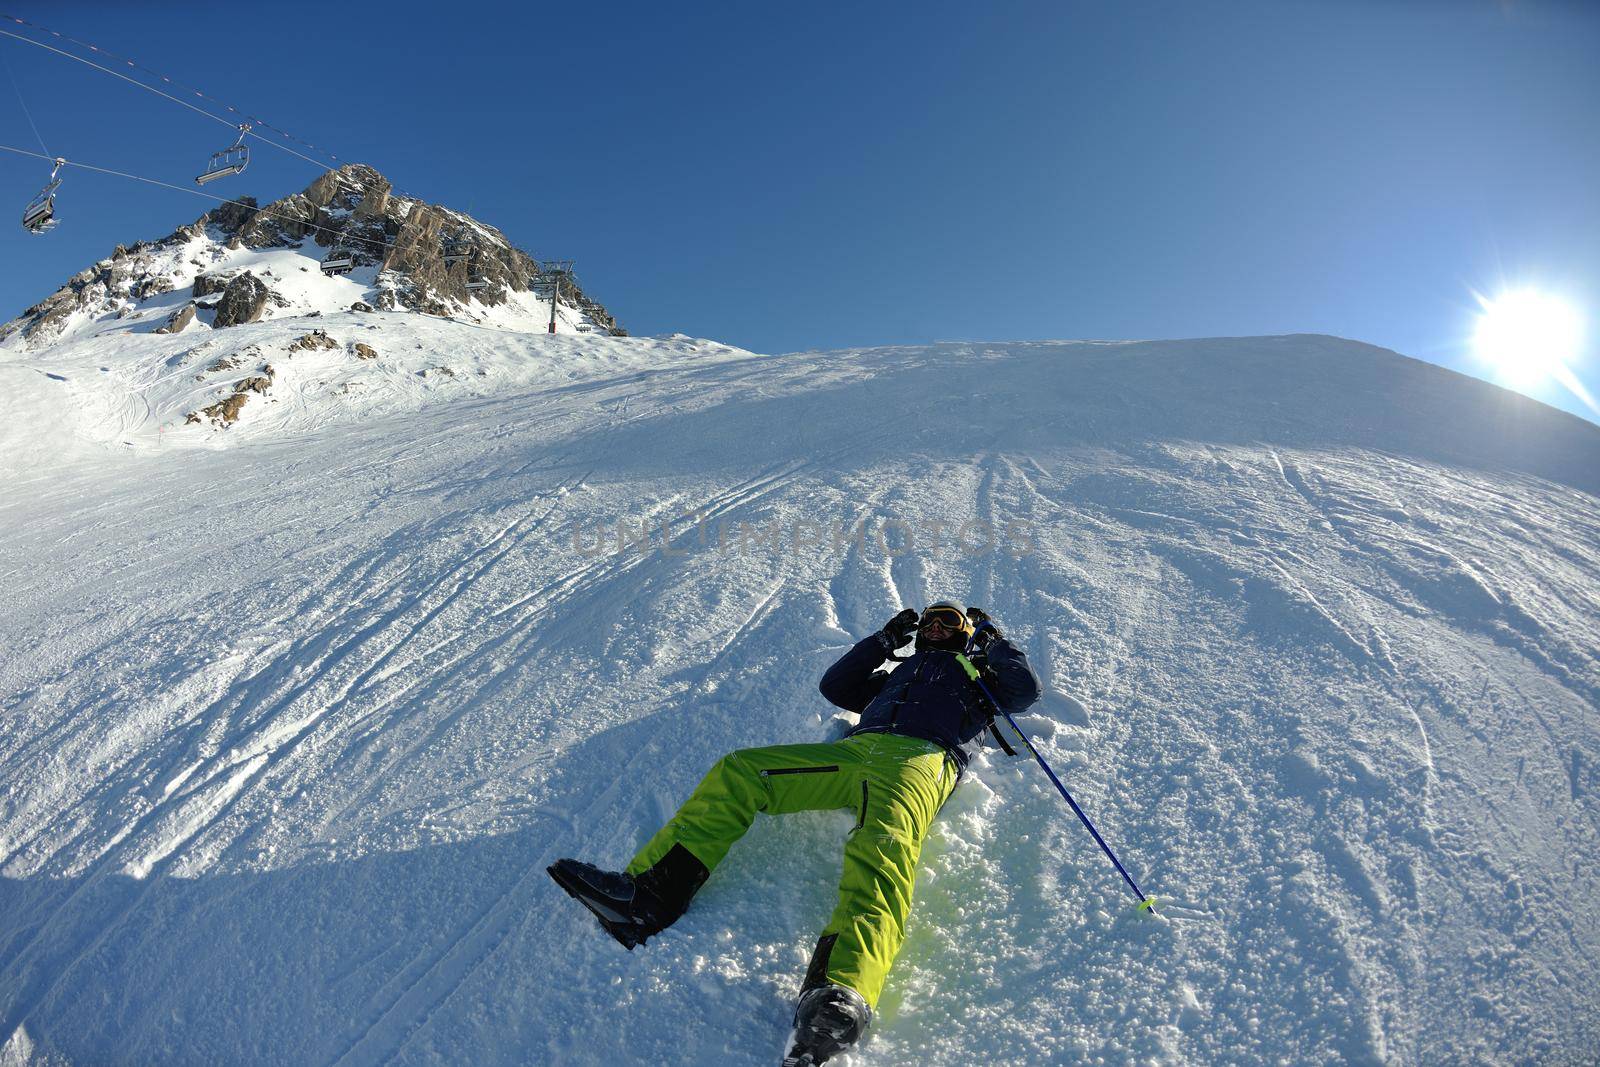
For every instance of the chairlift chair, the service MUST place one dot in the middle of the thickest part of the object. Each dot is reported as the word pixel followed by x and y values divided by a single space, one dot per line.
pixel 475 278
pixel 231 160
pixel 339 261
pixel 456 250
pixel 40 214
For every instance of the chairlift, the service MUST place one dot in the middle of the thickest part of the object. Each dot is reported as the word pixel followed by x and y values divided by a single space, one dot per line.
pixel 339 261
pixel 475 278
pixel 230 161
pixel 456 250
pixel 40 214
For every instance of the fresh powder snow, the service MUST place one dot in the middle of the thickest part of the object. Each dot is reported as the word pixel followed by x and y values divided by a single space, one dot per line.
pixel 297 707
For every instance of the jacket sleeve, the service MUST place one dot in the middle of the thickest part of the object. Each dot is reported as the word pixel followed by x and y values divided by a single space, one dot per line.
pixel 854 680
pixel 1013 683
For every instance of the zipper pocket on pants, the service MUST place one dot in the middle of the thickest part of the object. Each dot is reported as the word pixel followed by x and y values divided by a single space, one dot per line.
pixel 862 821
pixel 799 770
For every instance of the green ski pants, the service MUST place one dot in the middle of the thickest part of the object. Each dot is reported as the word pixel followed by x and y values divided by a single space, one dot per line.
pixel 895 785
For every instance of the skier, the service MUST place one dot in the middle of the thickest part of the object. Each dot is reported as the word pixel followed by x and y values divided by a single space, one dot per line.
pixel 894 769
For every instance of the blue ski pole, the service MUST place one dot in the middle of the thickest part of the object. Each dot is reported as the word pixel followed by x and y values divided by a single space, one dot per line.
pixel 1145 903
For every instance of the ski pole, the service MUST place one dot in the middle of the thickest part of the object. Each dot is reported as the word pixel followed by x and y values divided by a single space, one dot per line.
pixel 1145 903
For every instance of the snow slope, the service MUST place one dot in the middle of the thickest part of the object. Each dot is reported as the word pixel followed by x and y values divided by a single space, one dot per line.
pixel 296 712
pixel 136 391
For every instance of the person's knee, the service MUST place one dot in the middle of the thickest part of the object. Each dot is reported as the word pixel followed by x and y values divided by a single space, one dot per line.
pixel 734 765
pixel 737 776
pixel 884 850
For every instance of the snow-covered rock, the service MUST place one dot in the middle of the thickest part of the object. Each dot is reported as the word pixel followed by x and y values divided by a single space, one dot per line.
pixel 397 242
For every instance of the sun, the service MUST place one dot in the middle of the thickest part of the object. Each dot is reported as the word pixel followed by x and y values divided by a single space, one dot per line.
pixel 1528 336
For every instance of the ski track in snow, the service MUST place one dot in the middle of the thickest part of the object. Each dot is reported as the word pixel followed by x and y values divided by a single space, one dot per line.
pixel 300 710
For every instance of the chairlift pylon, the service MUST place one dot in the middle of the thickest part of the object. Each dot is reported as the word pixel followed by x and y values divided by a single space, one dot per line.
pixel 338 261
pixel 40 214
pixel 231 160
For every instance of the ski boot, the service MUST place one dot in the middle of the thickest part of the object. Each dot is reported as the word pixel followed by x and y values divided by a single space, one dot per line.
pixel 634 909
pixel 828 1020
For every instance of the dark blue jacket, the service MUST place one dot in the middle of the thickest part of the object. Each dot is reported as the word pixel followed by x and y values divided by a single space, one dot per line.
pixel 929 695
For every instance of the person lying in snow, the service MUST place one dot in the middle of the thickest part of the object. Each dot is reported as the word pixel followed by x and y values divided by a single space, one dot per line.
pixel 894 769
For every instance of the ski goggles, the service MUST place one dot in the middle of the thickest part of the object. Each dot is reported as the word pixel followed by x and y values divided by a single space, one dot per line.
pixel 948 617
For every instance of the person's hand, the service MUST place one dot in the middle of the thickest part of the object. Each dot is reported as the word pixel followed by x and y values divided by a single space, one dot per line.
pixel 984 629
pixel 898 630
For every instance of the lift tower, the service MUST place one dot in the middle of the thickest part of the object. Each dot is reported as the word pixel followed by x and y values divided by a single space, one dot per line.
pixel 553 274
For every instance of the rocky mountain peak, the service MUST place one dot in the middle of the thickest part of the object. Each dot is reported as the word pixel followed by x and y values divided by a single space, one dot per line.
pixel 397 244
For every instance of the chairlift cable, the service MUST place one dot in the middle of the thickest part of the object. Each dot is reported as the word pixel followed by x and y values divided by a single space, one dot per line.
pixel 113 73
pixel 339 237
pixel 256 123
pixel 251 119
pixel 177 85
pixel 24 104
pixel 249 126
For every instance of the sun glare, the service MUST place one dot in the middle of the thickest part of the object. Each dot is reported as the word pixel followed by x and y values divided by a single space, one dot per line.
pixel 1528 336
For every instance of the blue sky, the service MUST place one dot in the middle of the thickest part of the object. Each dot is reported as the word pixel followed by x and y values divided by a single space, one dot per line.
pixel 813 176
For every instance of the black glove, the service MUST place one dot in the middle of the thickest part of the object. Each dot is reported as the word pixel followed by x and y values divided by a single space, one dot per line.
pixel 898 630
pixel 983 634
